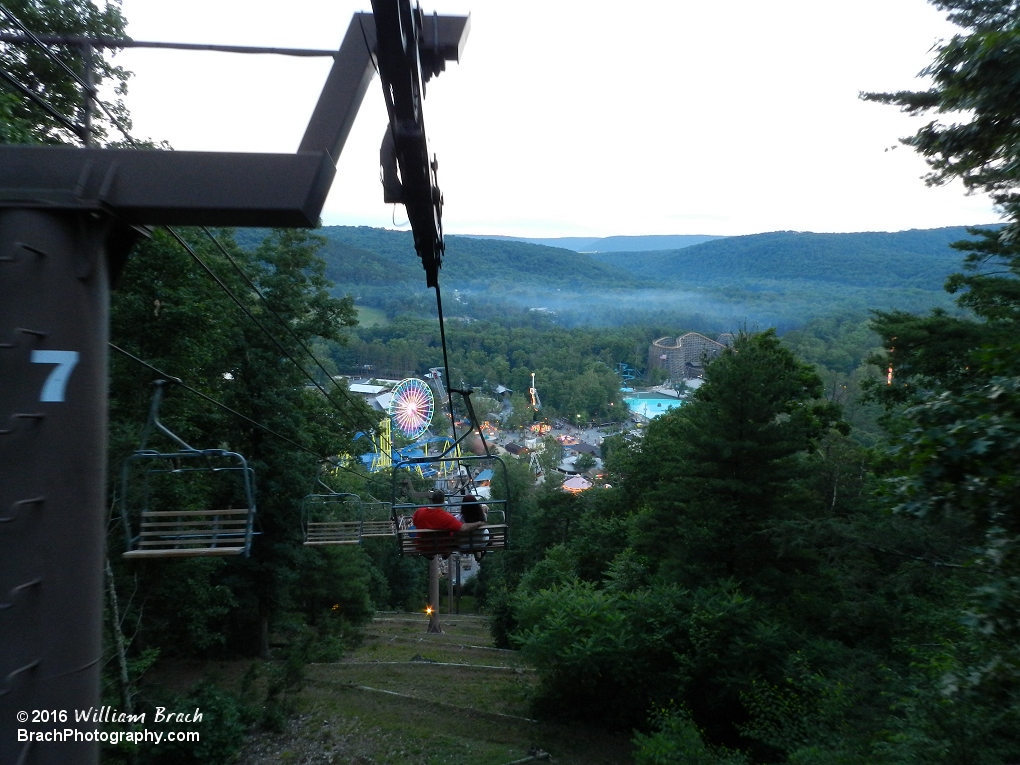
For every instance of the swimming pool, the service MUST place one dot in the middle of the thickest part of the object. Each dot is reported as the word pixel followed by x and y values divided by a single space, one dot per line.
pixel 651 405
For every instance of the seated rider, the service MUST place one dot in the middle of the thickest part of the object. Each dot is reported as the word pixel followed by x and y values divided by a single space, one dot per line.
pixel 471 511
pixel 435 517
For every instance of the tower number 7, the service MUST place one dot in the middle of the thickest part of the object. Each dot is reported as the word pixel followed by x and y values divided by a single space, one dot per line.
pixel 56 383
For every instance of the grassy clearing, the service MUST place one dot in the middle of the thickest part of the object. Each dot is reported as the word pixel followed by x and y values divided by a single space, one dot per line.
pixel 410 698
pixel 371 317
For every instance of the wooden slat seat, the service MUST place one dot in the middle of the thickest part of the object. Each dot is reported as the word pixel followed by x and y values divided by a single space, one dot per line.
pixel 332 533
pixel 377 528
pixel 185 552
pixel 191 533
pixel 429 542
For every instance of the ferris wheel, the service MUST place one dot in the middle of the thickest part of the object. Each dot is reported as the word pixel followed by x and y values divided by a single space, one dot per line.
pixel 411 407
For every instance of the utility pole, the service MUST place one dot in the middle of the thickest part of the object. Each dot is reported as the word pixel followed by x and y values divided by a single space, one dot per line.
pixel 453 561
pixel 434 624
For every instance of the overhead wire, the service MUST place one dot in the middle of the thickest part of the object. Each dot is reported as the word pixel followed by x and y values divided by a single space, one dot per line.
pixel 366 427
pixel 240 304
pixel 56 59
pixel 90 89
pixel 67 124
pixel 210 399
pixel 283 322
pixel 224 407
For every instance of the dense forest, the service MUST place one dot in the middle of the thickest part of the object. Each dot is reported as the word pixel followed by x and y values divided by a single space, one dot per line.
pixel 782 279
pixel 814 560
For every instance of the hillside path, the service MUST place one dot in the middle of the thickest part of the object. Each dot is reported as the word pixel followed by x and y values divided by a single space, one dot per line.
pixel 408 697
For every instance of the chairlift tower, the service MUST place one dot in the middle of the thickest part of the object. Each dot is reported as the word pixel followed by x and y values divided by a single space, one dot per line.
pixel 68 219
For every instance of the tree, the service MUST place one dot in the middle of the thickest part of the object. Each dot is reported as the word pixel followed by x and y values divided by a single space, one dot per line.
pixel 760 588
pixel 584 462
pixel 974 83
pixel 713 473
pixel 23 120
pixel 169 312
pixel 951 397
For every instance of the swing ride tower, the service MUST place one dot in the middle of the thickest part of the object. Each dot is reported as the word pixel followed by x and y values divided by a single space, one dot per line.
pixel 68 219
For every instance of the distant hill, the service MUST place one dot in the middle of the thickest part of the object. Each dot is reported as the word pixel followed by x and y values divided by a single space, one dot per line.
pixel 781 279
pixel 613 243
pixel 918 259
pixel 366 256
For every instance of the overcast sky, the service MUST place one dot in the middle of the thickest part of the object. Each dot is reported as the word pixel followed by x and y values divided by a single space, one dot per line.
pixel 571 118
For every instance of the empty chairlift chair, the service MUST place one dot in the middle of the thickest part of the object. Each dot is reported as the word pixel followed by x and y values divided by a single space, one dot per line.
pixel 458 477
pixel 188 502
pixel 377 520
pixel 331 518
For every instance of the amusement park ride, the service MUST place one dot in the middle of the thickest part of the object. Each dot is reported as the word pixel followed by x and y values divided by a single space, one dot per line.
pixel 536 402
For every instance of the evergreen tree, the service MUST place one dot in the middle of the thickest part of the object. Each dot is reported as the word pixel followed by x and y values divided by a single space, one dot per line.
pixel 956 376
pixel 974 82
pixel 715 472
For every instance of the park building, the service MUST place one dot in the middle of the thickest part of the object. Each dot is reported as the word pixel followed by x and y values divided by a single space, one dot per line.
pixel 685 357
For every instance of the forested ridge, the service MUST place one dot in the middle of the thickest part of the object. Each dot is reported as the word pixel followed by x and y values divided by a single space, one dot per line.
pixel 906 259
pixel 612 243
pixel 781 279
pixel 815 560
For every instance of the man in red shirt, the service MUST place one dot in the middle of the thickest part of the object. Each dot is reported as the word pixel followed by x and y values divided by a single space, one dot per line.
pixel 435 517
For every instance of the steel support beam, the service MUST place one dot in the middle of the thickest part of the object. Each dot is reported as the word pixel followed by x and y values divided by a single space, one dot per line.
pixel 185 188
pixel 53 381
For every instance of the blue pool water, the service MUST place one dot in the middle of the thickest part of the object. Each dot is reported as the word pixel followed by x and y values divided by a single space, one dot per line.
pixel 651 405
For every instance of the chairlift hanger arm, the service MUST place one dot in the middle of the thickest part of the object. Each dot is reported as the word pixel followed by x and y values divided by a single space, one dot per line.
pixel 410 50
pixel 154 422
pixel 476 426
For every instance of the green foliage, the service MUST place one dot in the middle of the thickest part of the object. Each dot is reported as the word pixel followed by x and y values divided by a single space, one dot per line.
pixel 574 369
pixel 186 608
pixel 974 83
pixel 168 312
pixel 555 570
pixel 225 722
pixel 742 567
pixel 840 347
pixel 676 739
pixel 283 680
pixel 952 409
pixel 12 130
pixel 584 462
pixel 711 475
pixel 24 121
pixel 589 643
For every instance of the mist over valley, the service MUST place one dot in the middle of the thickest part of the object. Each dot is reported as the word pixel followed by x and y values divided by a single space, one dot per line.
pixel 778 279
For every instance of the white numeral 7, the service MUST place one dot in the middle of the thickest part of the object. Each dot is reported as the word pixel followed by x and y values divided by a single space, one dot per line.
pixel 55 385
